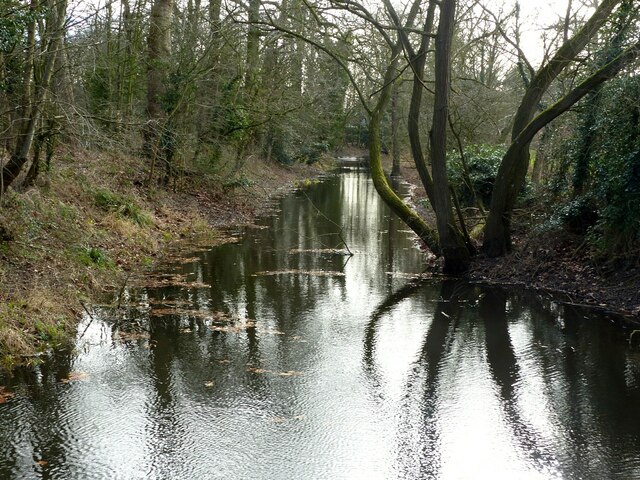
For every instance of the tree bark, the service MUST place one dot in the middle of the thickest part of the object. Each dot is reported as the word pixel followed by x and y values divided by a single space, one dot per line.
pixel 455 252
pixel 253 47
pixel 159 53
pixel 395 125
pixel 520 146
pixel 418 62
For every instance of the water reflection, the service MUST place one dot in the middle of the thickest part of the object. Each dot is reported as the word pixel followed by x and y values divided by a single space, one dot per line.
pixel 373 373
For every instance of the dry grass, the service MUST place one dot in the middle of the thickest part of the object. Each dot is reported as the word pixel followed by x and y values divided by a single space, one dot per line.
pixel 91 221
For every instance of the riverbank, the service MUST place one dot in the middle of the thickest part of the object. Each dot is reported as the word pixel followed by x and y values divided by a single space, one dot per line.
pixel 76 237
pixel 556 264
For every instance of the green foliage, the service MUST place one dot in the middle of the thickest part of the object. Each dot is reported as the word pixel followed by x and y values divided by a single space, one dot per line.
pixel 112 202
pixel 13 20
pixel 357 132
pixel 579 215
pixel 606 187
pixel 277 140
pixel 618 230
pixel 312 153
pixel 483 162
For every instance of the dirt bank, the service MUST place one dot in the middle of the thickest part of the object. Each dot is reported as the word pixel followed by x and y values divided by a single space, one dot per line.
pixel 558 264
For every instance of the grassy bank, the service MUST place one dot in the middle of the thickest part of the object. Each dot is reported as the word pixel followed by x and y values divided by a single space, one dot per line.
pixel 92 219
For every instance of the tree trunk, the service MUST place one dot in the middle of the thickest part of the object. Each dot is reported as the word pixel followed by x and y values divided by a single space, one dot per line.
pixel 159 53
pixel 159 48
pixel 500 243
pixel 413 125
pixel 253 47
pixel 455 252
pixel 393 201
pixel 395 125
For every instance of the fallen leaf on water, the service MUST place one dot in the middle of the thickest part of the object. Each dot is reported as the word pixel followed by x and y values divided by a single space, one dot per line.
pixel 174 282
pixel 168 276
pixel 209 384
pixel 290 373
pixel 226 328
pixel 241 326
pixel 409 275
pixel 271 332
pixel 42 463
pixel 166 312
pixel 317 273
pixel 5 395
pixel 130 336
pixel 75 376
pixel 322 251
pixel 258 370
pixel 176 303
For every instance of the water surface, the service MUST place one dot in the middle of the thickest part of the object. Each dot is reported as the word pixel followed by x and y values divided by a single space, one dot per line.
pixel 271 359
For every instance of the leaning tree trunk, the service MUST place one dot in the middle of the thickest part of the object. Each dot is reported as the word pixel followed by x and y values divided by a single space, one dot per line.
pixel 393 201
pixel 411 218
pixel 20 156
pixel 514 166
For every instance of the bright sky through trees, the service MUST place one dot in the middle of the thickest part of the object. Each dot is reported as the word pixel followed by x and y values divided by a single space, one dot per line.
pixel 535 17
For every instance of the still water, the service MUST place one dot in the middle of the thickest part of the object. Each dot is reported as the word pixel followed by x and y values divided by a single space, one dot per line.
pixel 279 358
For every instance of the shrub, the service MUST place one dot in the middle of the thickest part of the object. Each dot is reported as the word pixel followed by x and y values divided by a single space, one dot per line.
pixel 483 162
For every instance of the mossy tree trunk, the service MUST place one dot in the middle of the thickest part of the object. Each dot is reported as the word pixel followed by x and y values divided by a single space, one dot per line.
pixel 395 126
pixel 409 216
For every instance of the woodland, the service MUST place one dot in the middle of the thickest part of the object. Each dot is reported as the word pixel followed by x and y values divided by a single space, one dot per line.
pixel 511 152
